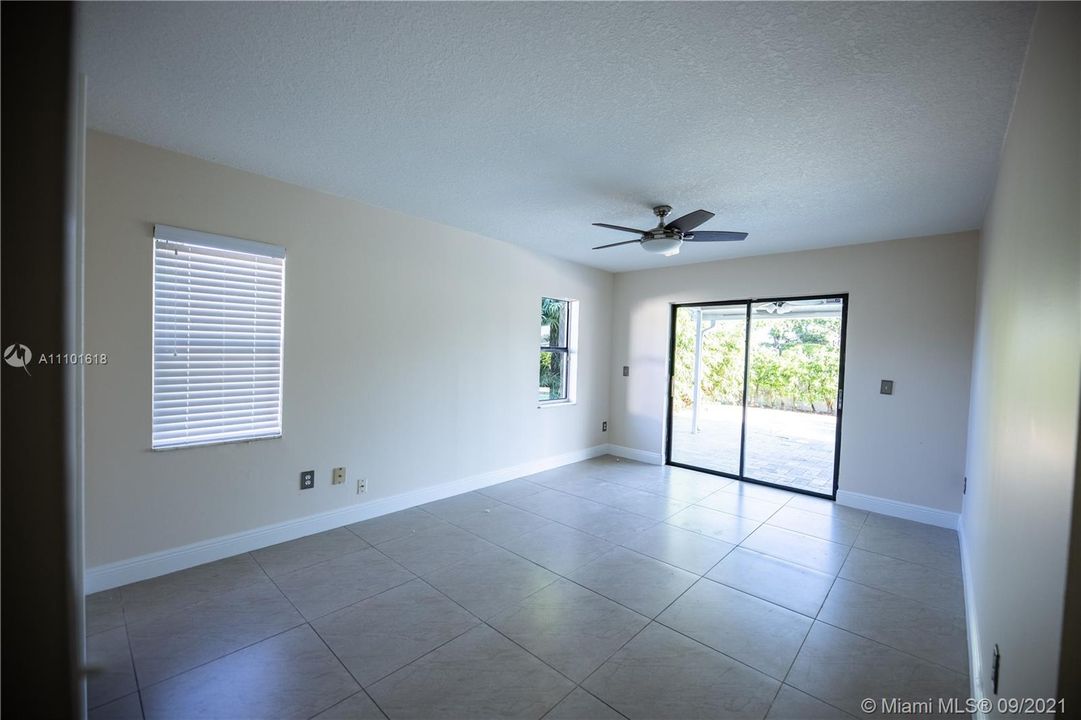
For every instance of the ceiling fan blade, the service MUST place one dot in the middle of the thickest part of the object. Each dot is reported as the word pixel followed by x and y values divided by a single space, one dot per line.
pixel 689 221
pixel 620 227
pixel 714 236
pixel 625 242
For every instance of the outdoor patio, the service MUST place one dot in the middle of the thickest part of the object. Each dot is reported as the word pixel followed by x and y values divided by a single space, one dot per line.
pixel 783 447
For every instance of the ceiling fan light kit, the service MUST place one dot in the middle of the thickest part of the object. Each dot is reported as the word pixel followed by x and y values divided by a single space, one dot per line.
pixel 666 246
pixel 668 239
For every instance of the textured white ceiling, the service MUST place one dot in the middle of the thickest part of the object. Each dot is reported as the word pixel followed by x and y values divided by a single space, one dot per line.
pixel 806 125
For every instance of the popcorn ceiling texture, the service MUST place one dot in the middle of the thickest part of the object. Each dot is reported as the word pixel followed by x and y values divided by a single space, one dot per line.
pixel 807 125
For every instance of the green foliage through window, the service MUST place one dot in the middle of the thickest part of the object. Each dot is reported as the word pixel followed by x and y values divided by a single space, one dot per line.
pixel 554 349
pixel 794 363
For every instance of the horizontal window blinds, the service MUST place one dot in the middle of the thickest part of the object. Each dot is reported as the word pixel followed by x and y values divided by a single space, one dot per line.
pixel 218 322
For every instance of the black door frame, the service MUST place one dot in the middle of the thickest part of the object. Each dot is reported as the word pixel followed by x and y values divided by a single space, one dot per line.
pixel 749 303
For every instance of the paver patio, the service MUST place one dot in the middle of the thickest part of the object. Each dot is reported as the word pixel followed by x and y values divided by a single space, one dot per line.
pixel 783 446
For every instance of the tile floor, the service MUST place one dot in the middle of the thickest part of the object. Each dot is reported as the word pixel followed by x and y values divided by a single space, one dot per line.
pixel 603 589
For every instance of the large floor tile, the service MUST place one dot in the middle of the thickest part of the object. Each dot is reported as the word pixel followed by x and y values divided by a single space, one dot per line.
pixel 781 582
pixel 685 486
pixel 356 707
pixel 510 490
pixel 633 500
pixel 711 523
pixel 843 669
pixel 918 629
pixel 826 527
pixel 175 591
pixel 611 524
pixel 490 581
pixel 104 611
pixel 559 548
pixel 572 629
pixel 330 585
pixel 112 675
pixel 377 636
pixel 662 674
pixel 557 505
pixel 126 708
pixel 581 485
pixel 480 674
pixel 685 549
pixel 911 526
pixel 641 583
pixel 791 704
pixel 395 525
pixel 824 506
pixel 292 675
pixel 169 645
pixel 277 560
pixel 753 631
pixel 812 552
pixel 777 496
pixel 580 705
pixel 546 477
pixel 429 550
pixel 741 505
pixel 907 579
pixel 936 548
pixel 458 506
pixel 502 523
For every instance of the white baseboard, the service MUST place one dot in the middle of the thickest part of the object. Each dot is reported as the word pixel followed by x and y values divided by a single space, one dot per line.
pixel 652 458
pixel 104 577
pixel 896 508
pixel 975 664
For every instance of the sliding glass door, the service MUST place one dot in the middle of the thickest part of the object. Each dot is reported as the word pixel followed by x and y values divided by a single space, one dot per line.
pixel 756 388
pixel 707 405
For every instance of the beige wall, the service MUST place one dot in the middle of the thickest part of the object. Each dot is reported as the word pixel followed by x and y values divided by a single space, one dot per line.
pixel 910 319
pixel 410 354
pixel 1023 426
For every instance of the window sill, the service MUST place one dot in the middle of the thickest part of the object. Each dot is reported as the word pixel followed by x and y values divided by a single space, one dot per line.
pixel 556 403
pixel 213 443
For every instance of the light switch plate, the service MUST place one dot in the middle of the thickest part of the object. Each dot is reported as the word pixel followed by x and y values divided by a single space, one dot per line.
pixel 886 388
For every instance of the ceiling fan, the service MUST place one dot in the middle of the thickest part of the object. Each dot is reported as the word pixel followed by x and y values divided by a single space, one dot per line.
pixel 667 239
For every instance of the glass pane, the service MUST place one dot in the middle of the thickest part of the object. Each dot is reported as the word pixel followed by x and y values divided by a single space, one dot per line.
pixel 553 376
pixel 553 322
pixel 792 393
pixel 707 403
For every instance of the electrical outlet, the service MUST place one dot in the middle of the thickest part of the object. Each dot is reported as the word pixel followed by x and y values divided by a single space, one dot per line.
pixel 604 426
pixel 337 476
pixel 362 485
pixel 626 371
pixel 307 479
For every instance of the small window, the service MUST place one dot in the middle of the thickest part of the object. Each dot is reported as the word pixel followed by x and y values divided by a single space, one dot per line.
pixel 557 350
pixel 218 330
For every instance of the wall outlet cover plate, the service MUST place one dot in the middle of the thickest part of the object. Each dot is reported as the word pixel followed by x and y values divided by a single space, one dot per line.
pixel 307 480
pixel 886 388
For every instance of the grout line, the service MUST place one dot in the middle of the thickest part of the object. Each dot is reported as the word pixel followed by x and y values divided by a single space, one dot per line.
pixel 222 657
pixel 350 674
pixel 791 665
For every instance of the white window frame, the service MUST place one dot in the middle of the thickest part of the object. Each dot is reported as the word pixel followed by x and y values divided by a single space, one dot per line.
pixel 218 248
pixel 573 315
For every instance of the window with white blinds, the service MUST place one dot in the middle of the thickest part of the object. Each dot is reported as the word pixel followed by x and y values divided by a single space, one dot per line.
pixel 218 330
